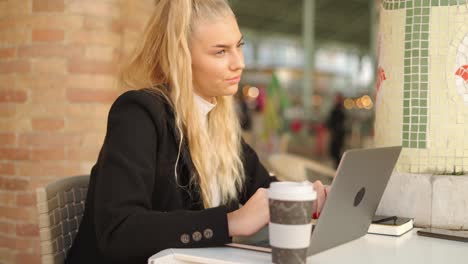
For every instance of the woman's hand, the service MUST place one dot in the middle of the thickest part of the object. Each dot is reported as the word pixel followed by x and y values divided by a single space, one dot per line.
pixel 251 217
pixel 322 191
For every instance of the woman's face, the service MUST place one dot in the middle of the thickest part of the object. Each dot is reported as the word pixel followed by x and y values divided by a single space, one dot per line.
pixel 217 58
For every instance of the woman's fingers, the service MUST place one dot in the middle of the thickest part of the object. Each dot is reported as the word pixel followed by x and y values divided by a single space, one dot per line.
pixel 320 190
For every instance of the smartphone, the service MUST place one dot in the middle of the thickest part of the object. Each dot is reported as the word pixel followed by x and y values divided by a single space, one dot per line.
pixel 459 235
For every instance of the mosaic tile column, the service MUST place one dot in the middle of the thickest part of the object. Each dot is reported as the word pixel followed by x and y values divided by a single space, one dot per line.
pixel 422 86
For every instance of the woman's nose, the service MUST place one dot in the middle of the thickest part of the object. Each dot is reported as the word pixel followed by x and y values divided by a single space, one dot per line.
pixel 237 61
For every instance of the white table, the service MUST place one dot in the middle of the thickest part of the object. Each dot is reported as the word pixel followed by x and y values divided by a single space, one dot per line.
pixel 409 248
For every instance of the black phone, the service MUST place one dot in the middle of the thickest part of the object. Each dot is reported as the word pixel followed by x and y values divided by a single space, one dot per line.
pixel 457 235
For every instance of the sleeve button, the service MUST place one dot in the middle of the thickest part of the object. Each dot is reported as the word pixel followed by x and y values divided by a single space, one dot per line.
pixel 185 238
pixel 197 236
pixel 208 233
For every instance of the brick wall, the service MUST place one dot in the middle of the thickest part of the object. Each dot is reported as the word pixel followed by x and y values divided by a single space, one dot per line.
pixel 58 62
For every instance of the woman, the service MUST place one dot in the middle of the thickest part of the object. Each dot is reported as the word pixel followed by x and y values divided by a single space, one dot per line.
pixel 173 168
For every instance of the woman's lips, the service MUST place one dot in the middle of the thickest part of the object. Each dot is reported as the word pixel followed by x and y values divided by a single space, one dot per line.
pixel 234 80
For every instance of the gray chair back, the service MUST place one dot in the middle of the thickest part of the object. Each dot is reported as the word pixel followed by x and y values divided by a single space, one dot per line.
pixel 60 207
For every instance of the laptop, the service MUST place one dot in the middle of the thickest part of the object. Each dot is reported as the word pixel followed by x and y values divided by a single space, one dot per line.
pixel 358 186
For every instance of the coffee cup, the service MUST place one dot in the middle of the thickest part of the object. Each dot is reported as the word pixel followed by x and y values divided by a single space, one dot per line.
pixel 290 226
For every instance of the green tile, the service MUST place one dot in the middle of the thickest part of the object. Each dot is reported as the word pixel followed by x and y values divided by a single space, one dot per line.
pixel 435 3
pixel 423 111
pixel 425 52
pixel 426 11
pixel 414 94
pixel 417 11
pixel 426 3
pixel 417 20
pixel 423 120
pixel 415 43
pixel 422 127
pixel 423 103
pixel 444 2
pixel 407 70
pixel 406 120
pixel 407 53
pixel 425 28
pixel 414 119
pixel 414 136
pixel 424 68
pixel 402 5
pixel 417 28
pixel 416 110
pixel 408 35
pixel 407 78
pixel 408 27
pixel 422 144
pixel 453 2
pixel 406 136
pixel 424 78
pixel 406 111
pixel 414 144
pixel 415 69
pixel 423 95
pixel 415 78
pixel 407 45
pixel 405 144
pixel 414 128
pixel 425 19
pixel 423 87
pixel 424 61
pixel 424 44
pixel 422 136
pixel 417 3
pixel 416 36
pixel 409 4
pixel 405 103
pixel 414 61
pixel 407 60
pixel 409 12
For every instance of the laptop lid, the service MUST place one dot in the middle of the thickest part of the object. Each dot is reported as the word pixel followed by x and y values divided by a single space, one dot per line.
pixel 357 188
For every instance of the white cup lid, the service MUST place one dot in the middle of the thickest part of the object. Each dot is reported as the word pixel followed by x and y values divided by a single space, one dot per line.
pixel 292 191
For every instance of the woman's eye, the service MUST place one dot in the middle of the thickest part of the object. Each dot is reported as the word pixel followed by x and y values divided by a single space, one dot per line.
pixel 241 44
pixel 221 52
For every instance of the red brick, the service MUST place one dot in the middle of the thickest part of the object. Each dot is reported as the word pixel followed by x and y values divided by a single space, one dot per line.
pixel 48 35
pixel 48 140
pixel 7 139
pixel 100 37
pixel 14 67
pixel 94 8
pixel 92 67
pixel 7 111
pixel 56 153
pixel 15 243
pixel 13 96
pixel 7 53
pixel 56 50
pixel 7 168
pixel 7 228
pixel 48 6
pixel 22 214
pixel 90 96
pixel 47 124
pixel 7 81
pixel 13 184
pixel 51 169
pixel 26 199
pixel 7 198
pixel 90 154
pixel 28 258
pixel 27 230
pixel 14 153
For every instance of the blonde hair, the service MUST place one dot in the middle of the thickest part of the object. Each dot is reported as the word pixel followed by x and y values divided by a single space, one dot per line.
pixel 163 57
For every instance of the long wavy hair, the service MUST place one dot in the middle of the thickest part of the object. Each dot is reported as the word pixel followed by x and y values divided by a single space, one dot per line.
pixel 163 57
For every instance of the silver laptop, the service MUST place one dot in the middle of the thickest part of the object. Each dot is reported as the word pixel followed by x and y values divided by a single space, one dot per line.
pixel 357 188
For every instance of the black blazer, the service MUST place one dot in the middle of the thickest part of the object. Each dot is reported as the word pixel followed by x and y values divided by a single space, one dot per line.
pixel 134 207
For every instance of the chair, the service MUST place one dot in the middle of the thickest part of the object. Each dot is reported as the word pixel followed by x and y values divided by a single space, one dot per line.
pixel 60 207
pixel 290 167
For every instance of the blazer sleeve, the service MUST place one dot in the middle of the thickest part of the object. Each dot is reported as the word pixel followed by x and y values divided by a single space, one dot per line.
pixel 127 228
pixel 256 174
